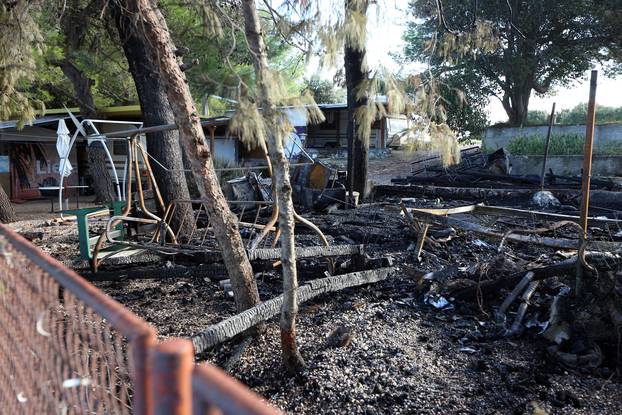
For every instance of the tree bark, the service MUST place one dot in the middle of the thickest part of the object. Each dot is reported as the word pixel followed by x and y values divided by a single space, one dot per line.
pixel 234 325
pixel 151 21
pixel 281 182
pixel 163 146
pixel 354 60
pixel 7 212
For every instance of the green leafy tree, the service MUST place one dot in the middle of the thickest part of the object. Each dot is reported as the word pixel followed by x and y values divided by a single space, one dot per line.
pixel 219 69
pixel 323 91
pixel 539 44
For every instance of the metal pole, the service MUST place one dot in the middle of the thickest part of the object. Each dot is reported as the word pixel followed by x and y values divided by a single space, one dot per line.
pixel 586 174
pixel 546 147
pixel 172 363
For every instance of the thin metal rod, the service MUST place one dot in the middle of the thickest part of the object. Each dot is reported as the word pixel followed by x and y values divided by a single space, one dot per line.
pixel 586 174
pixel 546 148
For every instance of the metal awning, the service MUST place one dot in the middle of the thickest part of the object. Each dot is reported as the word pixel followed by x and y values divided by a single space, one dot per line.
pixel 5 125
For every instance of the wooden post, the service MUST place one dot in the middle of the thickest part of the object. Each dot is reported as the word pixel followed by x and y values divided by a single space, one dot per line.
pixel 586 174
pixel 546 148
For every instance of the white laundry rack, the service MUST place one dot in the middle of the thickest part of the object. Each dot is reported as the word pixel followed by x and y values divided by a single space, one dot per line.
pixel 97 136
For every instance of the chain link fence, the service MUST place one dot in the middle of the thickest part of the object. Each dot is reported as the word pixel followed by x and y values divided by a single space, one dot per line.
pixel 67 348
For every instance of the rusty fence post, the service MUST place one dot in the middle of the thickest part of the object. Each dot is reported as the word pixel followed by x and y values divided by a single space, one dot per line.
pixel 171 384
pixel 141 347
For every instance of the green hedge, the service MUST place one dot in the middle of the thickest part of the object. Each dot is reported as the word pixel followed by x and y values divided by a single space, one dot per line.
pixel 561 145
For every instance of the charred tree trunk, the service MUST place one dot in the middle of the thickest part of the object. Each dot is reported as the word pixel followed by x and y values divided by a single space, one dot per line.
pixel 291 357
pixel 150 20
pixel 163 146
pixel 354 60
pixel 7 212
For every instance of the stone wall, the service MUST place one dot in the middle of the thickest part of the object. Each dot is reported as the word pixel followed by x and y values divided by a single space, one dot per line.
pixel 567 165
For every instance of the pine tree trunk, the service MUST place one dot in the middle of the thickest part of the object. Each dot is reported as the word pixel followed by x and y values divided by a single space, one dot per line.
pixel 291 356
pixel 354 60
pixel 193 141
pixel 7 212
pixel 100 175
pixel 163 146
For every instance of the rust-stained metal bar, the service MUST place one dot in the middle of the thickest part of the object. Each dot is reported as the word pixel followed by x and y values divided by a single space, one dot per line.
pixel 481 209
pixel 534 214
pixel 429 218
pixel 586 173
pixel 213 388
pixel 172 363
pixel 308 252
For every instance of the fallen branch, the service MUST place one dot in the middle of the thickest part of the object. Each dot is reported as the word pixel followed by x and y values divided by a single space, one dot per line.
pixel 239 323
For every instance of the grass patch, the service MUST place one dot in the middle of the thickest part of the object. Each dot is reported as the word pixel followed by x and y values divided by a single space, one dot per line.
pixel 561 145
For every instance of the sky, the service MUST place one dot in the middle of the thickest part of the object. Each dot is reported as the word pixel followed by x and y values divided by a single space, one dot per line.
pixel 387 23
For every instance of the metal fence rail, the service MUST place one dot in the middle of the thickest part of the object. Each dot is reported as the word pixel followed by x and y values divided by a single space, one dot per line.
pixel 67 348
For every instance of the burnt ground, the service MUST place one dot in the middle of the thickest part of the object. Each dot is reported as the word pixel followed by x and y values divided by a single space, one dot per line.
pixel 405 356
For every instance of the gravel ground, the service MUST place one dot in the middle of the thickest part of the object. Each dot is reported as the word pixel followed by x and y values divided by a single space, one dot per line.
pixel 404 356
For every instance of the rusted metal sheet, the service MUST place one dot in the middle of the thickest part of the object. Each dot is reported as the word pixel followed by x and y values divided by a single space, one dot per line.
pixel 308 252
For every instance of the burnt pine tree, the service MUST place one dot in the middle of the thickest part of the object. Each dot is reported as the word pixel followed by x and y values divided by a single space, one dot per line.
pixel 150 20
pixel 265 81
pixel 356 73
pixel 164 145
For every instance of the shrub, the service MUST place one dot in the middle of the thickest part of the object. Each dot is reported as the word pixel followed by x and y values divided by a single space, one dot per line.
pixel 561 145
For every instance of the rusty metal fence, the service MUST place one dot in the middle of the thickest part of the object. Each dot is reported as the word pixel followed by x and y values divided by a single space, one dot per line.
pixel 67 348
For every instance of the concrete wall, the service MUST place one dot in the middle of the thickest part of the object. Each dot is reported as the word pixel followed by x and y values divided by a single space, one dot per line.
pixel 567 165
pixel 497 137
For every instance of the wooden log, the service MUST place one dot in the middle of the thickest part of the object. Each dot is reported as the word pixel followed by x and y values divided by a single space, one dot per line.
pixel 239 323
pixel 213 271
pixel 308 252
pixel 451 193
pixel 600 198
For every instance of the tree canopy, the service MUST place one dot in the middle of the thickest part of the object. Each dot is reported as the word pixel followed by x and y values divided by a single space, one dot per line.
pixel 323 91
pixel 538 44
pixel 577 115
